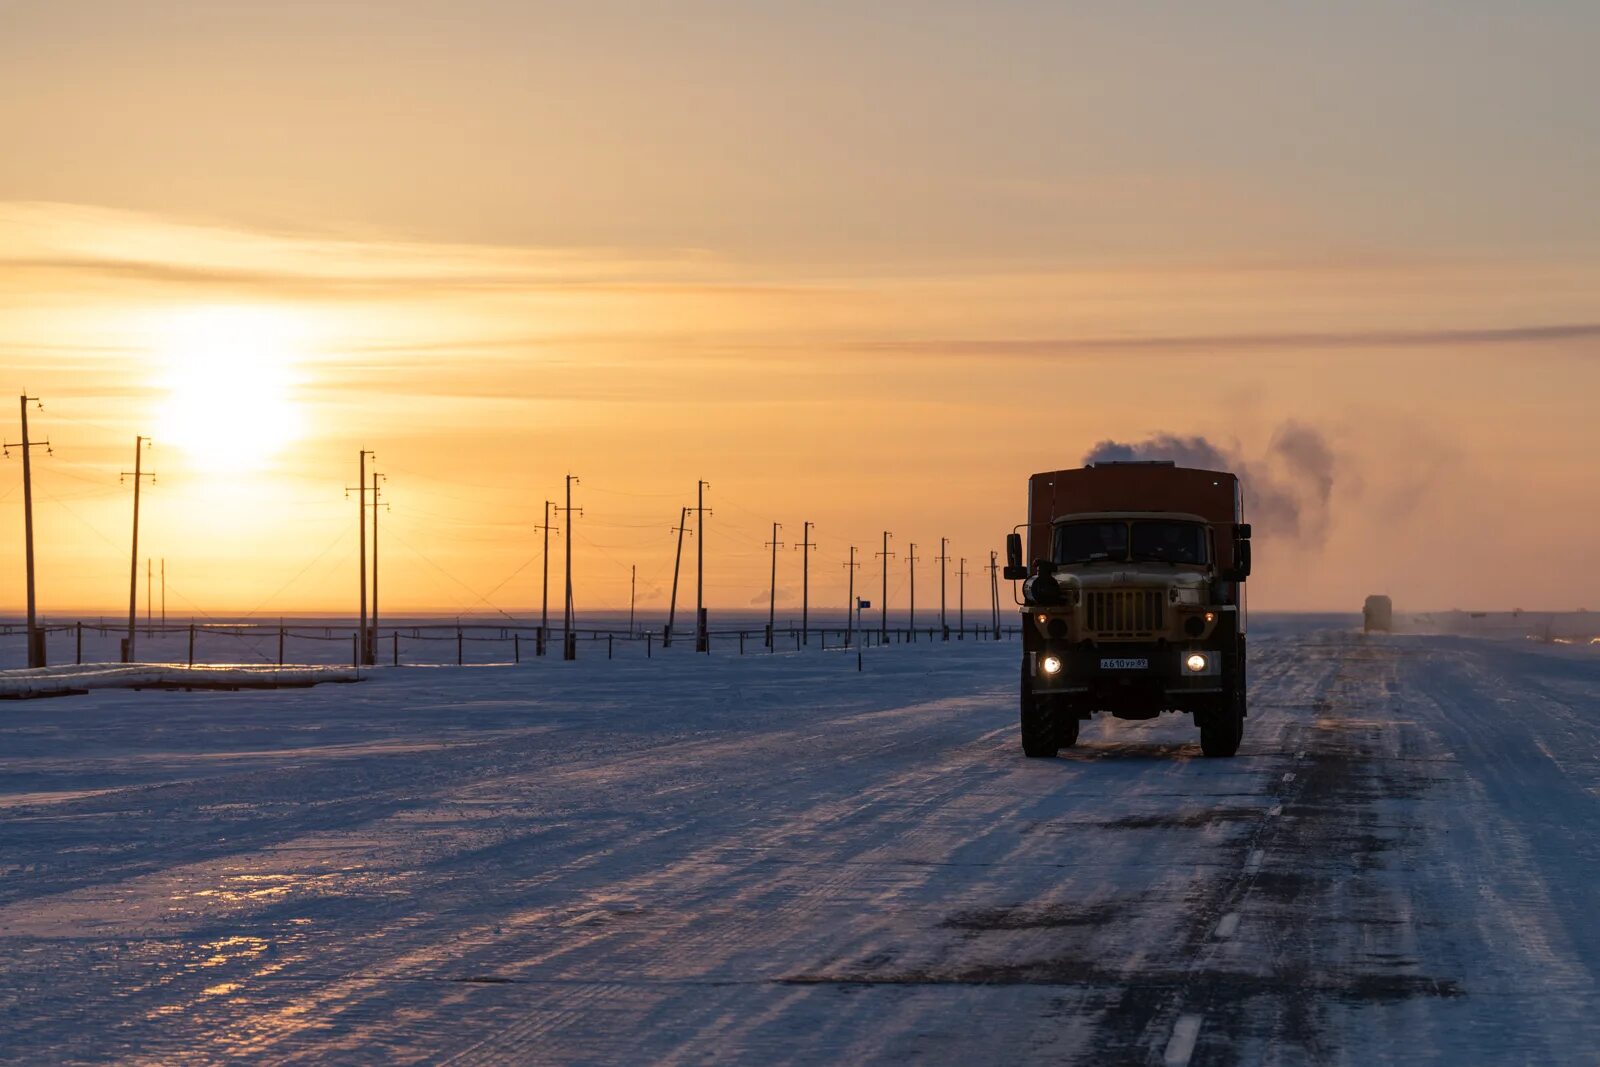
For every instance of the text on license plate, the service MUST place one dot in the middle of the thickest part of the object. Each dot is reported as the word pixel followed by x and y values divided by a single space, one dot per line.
pixel 1125 664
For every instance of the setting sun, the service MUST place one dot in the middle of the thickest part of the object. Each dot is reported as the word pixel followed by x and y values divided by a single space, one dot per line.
pixel 229 375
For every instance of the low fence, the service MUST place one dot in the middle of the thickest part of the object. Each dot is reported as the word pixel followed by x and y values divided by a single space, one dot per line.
pixel 439 644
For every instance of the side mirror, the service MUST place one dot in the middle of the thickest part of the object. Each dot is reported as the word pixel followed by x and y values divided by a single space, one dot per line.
pixel 1242 531
pixel 1241 559
pixel 1014 569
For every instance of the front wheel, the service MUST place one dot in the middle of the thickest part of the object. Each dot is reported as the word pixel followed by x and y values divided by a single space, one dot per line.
pixel 1066 727
pixel 1220 735
pixel 1223 729
pixel 1040 733
pixel 1044 723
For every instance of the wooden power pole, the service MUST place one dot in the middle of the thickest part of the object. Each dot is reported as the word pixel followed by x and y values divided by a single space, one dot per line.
pixel 944 558
pixel 805 546
pixel 883 608
pixel 772 588
pixel 702 638
pixel 139 474
pixel 994 592
pixel 36 652
pixel 961 596
pixel 569 639
pixel 850 602
pixel 361 513
pixel 911 616
pixel 544 602
pixel 370 649
pixel 677 562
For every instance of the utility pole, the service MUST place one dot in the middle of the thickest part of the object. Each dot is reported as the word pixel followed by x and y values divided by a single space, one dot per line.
pixel 149 590
pixel 772 589
pixel 805 546
pixel 361 514
pixel 911 560
pixel 961 601
pixel 994 592
pixel 139 475
pixel 163 591
pixel 633 593
pixel 569 640
pixel 702 640
pixel 677 561
pixel 544 610
pixel 883 624
pixel 370 649
pixel 944 558
pixel 36 656
pixel 850 604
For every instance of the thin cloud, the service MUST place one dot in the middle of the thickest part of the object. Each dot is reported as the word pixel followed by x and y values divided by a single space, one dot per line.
pixel 1354 339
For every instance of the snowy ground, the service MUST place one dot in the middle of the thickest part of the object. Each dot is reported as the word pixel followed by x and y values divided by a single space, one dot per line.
pixel 777 859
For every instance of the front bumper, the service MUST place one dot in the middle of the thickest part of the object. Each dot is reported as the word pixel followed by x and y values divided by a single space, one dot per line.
pixel 1133 671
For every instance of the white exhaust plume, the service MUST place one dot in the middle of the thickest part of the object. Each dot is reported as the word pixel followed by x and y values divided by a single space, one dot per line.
pixel 1287 491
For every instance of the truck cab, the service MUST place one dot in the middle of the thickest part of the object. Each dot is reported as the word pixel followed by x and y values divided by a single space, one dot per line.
pixel 1133 601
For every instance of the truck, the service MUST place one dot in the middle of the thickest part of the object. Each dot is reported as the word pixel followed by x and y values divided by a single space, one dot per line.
pixel 1377 614
pixel 1133 603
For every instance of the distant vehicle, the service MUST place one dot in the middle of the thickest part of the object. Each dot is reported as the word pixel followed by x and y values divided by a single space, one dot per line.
pixel 1133 602
pixel 1377 614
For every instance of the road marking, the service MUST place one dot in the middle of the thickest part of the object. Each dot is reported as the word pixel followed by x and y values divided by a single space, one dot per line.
pixel 1253 864
pixel 1181 1047
pixel 1275 811
pixel 1288 776
pixel 1228 926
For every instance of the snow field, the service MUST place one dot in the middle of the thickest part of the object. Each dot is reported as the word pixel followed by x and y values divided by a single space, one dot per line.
pixel 780 859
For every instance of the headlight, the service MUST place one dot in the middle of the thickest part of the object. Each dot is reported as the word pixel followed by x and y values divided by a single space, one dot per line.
pixel 1051 664
pixel 1196 662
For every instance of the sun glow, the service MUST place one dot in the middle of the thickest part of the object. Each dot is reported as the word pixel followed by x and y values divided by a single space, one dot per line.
pixel 230 377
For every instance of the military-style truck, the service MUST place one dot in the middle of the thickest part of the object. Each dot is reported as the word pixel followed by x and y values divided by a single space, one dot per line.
pixel 1377 614
pixel 1133 602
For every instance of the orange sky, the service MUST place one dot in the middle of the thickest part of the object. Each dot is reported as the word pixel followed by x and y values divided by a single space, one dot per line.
pixel 830 315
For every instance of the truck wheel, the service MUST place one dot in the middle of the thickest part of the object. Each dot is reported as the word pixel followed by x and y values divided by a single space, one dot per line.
pixel 1223 729
pixel 1039 723
pixel 1066 727
pixel 1039 734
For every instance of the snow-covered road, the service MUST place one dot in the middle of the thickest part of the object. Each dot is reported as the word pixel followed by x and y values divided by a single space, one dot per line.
pixel 777 859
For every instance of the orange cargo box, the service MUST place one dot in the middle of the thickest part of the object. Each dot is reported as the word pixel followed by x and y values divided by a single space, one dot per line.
pixel 1160 487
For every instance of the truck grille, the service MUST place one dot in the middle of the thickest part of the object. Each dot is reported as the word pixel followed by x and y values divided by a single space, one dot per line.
pixel 1123 612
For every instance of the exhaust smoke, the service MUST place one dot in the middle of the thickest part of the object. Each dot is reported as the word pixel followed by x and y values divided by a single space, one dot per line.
pixel 1287 491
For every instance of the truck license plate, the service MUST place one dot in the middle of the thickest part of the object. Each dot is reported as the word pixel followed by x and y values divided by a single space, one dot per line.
pixel 1125 664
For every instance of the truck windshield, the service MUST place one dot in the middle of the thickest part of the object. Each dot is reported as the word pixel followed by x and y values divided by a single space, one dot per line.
pixel 1169 542
pixel 1141 541
pixel 1089 542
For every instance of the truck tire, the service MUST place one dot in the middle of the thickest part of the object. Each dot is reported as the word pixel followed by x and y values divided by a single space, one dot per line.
pixel 1221 734
pixel 1039 733
pixel 1039 722
pixel 1223 729
pixel 1066 727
